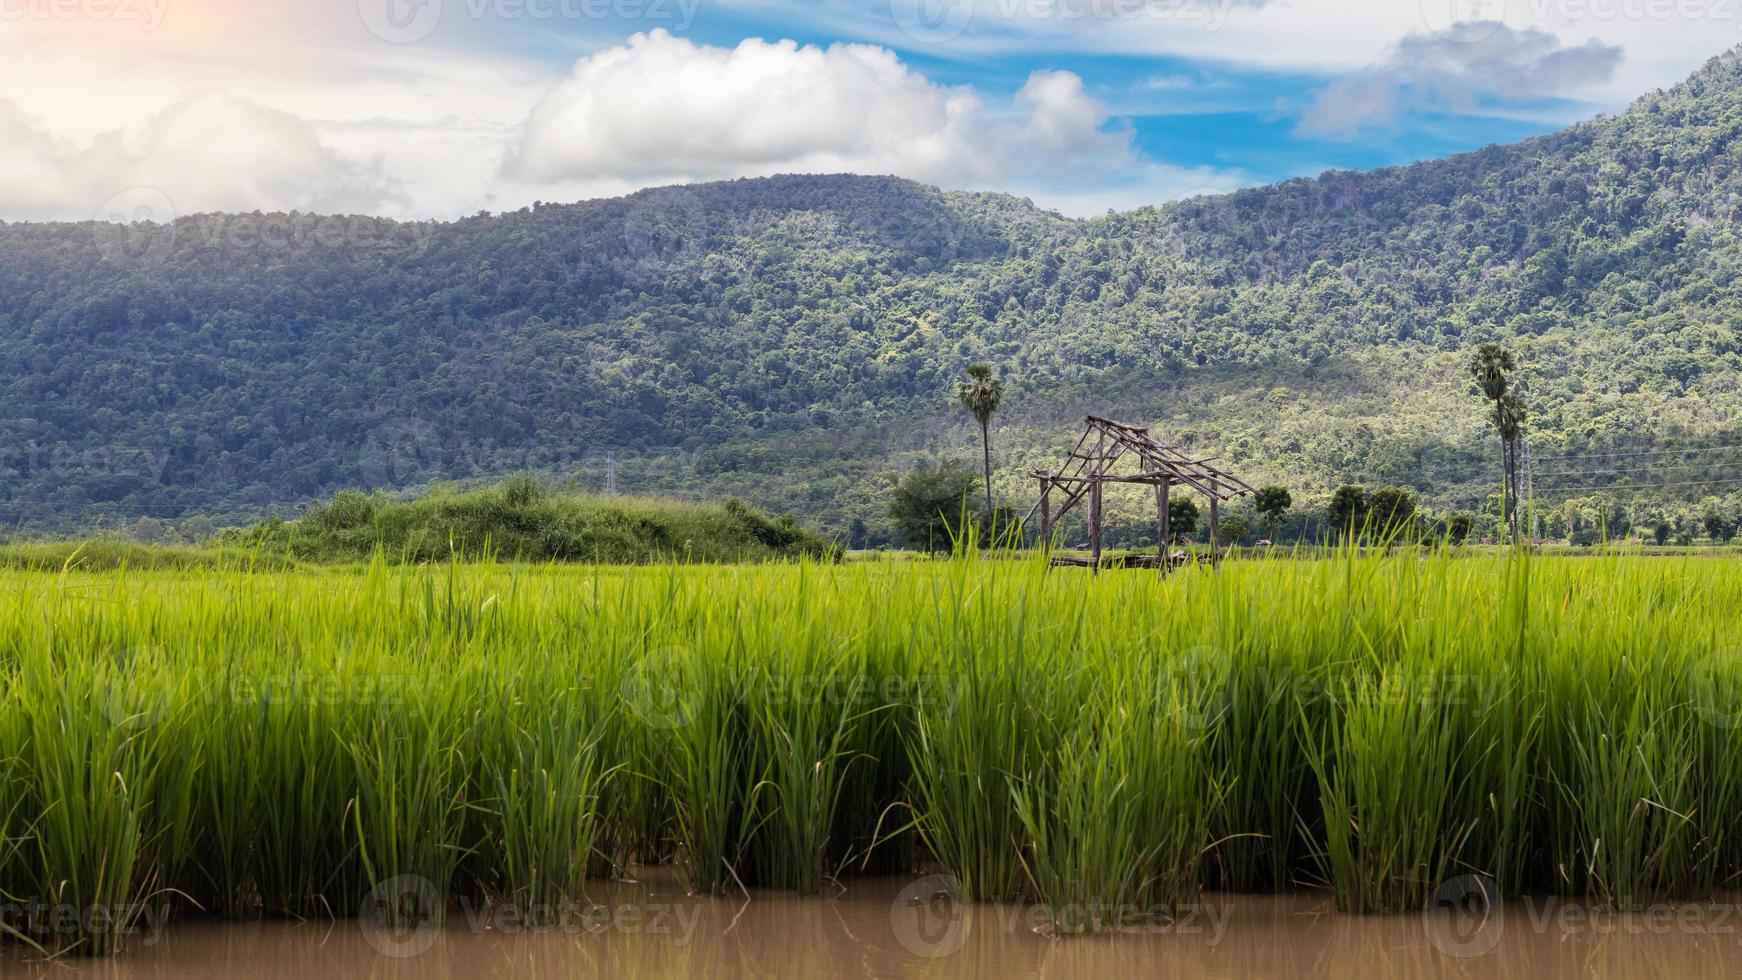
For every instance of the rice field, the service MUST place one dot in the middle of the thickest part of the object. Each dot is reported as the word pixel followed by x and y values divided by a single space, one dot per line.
pixel 278 742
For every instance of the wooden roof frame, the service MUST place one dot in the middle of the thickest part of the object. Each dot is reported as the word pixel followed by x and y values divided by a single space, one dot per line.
pixel 1095 461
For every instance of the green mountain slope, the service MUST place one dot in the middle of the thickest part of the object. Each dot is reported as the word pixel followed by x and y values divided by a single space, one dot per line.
pixel 788 340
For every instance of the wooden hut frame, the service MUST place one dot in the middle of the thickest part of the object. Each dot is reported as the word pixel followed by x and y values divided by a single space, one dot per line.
pixel 1096 461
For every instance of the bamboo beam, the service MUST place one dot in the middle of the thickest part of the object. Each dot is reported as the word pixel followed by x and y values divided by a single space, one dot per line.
pixel 1082 489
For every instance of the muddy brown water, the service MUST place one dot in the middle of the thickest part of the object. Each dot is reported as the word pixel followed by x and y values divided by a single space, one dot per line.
pixel 910 928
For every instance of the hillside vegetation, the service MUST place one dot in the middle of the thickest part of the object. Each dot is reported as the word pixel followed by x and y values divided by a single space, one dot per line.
pixel 792 340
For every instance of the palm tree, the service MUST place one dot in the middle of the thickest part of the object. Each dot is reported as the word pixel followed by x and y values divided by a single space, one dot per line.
pixel 1490 364
pixel 981 394
pixel 1509 418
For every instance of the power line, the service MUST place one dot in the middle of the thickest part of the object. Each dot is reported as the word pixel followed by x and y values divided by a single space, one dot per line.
pixel 1647 486
pixel 1643 469
pixel 1645 452
pixel 1532 521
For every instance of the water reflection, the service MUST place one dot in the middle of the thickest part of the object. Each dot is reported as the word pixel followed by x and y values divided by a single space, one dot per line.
pixel 904 928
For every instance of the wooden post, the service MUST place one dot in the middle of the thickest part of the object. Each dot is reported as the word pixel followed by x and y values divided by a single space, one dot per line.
pixel 1095 523
pixel 1045 513
pixel 1215 527
pixel 1095 501
pixel 1161 549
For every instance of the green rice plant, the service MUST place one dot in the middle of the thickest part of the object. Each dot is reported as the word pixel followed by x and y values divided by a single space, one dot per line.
pixel 1388 772
pixel 90 779
pixel 1499 727
pixel 14 776
pixel 539 764
pixel 281 741
pixel 982 725
pixel 685 687
pixel 305 779
pixel 705 768
pixel 411 768
pixel 1117 818
pixel 1628 799
pixel 808 700
pixel 1712 681
pixel 1259 682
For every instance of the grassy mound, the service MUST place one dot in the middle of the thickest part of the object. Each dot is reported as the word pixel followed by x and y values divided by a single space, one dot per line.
pixel 522 519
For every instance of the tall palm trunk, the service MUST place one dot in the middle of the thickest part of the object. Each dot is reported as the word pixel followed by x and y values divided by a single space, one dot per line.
pixel 1505 474
pixel 1511 452
pixel 986 452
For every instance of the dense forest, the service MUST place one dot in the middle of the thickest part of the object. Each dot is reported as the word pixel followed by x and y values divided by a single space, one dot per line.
pixel 794 341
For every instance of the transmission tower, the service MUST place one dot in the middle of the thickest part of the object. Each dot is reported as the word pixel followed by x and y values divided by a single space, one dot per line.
pixel 610 474
pixel 1526 488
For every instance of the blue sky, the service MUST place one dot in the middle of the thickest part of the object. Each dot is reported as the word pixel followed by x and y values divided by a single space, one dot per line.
pixel 434 108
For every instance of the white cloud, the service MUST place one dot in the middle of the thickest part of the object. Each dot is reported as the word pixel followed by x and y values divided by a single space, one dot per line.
pixel 1452 69
pixel 1168 83
pixel 221 121
pixel 207 152
pixel 1664 40
pixel 663 108
pixel 299 106
pixel 231 113
pixel 1147 185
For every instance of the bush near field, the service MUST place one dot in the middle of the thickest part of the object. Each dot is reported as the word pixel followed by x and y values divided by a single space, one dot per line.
pixel 522 519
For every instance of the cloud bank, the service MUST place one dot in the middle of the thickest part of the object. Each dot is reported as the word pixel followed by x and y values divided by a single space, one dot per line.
pixel 664 108
pixel 1453 69
pixel 208 152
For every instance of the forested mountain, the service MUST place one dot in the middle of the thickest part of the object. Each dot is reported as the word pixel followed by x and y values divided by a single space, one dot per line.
pixel 790 340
